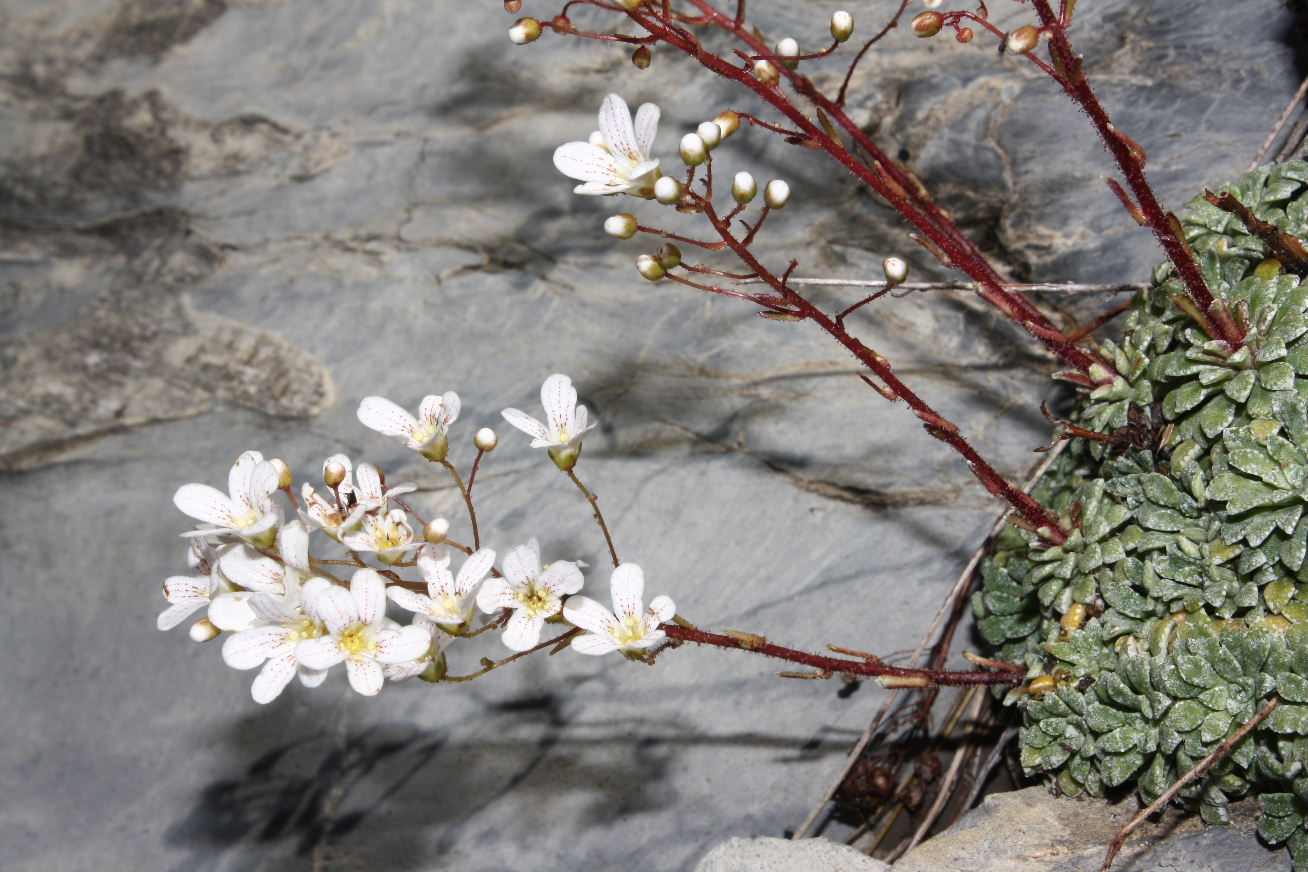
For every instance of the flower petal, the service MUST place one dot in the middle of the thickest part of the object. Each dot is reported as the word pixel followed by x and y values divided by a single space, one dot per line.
pixel 523 631
pixel 177 612
pixel 494 595
pixel 252 571
pixel 273 678
pixel 521 566
pixel 433 563
pixel 407 643
pixel 186 589
pixel 616 128
pixel 274 611
pixel 368 589
pixel 561 578
pixel 366 676
pixel 586 163
pixel 320 653
pixel 249 648
pixel 474 569
pixel 232 612
pixel 584 612
pixel 369 482
pixel 407 599
pixel 263 483
pixel 384 416
pixel 293 543
pixel 241 477
pixel 647 123
pixel 593 644
pixel 207 504
pixel 628 587
pixel 524 422
pixel 311 677
pixel 662 609
pixel 336 608
pixel 450 408
pixel 559 398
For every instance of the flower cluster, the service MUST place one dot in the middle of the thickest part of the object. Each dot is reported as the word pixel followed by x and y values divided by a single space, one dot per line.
pixel 289 614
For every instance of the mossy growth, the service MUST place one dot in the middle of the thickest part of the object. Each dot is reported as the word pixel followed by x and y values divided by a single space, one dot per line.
pixel 1179 603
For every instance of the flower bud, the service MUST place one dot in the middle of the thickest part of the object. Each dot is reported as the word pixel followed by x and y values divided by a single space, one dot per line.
pixel 667 190
pixel 485 439
pixel 927 24
pixel 842 26
pixel 709 133
pixel 1023 39
pixel 436 531
pixel 648 266
pixel 668 256
pixel 787 48
pixel 622 226
pixel 694 150
pixel 641 57
pixel 728 122
pixel 524 30
pixel 896 270
pixel 932 4
pixel 766 72
pixel 512 6
pixel 744 188
pixel 203 630
pixel 776 194
pixel 965 34
pixel 333 474
pixel 284 477
pixel 630 5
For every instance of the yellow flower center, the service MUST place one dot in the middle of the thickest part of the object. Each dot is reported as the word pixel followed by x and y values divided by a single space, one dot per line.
pixel 536 601
pixel 632 629
pixel 357 640
pixel 302 629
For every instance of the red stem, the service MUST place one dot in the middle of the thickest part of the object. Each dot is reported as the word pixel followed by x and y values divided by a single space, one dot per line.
pixel 1131 163
pixel 838 665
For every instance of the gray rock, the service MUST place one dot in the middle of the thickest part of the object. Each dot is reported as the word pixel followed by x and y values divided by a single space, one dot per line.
pixel 1033 831
pixel 765 854
pixel 223 224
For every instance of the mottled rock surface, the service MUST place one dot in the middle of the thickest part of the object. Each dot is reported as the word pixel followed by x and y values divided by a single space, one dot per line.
pixel 223 223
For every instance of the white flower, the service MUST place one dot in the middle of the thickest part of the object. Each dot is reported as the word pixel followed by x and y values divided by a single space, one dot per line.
pixel 290 620
pixel 533 595
pixel 372 490
pixel 449 601
pixel 188 593
pixel 426 663
pixel 387 534
pixel 566 421
pixel 330 515
pixel 359 633
pixel 625 628
pixel 428 434
pixel 247 573
pixel 246 510
pixel 616 160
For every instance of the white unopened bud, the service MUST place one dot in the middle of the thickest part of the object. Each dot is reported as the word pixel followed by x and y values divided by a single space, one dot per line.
pixel 694 150
pixel 776 194
pixel 622 226
pixel 931 4
pixel 667 190
pixel 284 477
pixel 436 531
pixel 728 122
pixel 485 439
pixel 896 270
pixel 203 630
pixel 744 188
pixel 842 26
pixel 787 48
pixel 333 474
pixel 709 133
pixel 524 30
pixel 766 72
pixel 648 266
pixel 669 256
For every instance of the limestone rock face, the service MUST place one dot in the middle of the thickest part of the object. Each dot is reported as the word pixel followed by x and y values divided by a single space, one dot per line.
pixel 224 223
